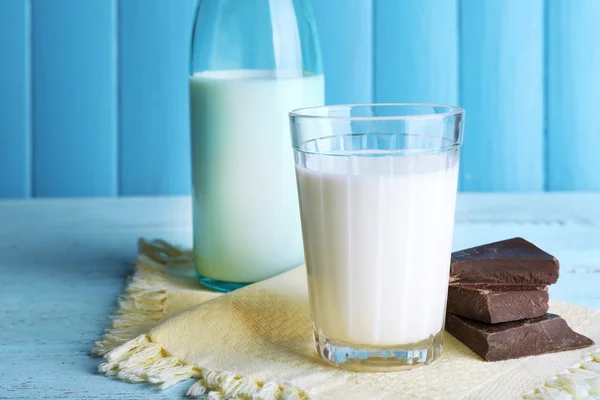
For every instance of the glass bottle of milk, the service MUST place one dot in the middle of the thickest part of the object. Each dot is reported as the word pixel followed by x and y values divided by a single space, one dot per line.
pixel 252 61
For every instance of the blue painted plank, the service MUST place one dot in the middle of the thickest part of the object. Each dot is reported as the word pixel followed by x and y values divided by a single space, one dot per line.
pixel 74 98
pixel 416 51
pixel 154 144
pixel 573 95
pixel 502 89
pixel 15 173
pixel 346 37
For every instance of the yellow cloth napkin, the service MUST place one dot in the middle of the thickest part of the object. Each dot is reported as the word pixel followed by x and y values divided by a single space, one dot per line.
pixel 255 343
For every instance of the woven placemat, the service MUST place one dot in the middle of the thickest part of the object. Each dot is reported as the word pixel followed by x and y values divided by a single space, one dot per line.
pixel 256 343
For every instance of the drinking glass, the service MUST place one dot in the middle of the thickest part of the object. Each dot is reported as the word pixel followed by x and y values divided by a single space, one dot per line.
pixel 377 190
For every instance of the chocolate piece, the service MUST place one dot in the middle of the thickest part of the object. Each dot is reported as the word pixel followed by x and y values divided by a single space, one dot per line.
pixel 497 303
pixel 528 337
pixel 511 262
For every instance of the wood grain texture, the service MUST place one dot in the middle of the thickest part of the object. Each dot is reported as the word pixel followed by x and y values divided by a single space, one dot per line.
pixel 74 98
pixel 15 127
pixel 502 89
pixel 51 314
pixel 154 137
pixel 416 51
pixel 573 95
pixel 64 262
pixel 346 36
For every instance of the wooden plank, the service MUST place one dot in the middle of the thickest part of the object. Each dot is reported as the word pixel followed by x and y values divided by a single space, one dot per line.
pixel 346 36
pixel 32 375
pixel 159 214
pixel 75 98
pixel 502 89
pixel 573 90
pixel 70 298
pixel 154 144
pixel 416 51
pixel 567 224
pixel 15 172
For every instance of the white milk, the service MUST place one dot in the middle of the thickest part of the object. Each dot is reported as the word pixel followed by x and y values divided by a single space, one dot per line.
pixel 377 242
pixel 246 219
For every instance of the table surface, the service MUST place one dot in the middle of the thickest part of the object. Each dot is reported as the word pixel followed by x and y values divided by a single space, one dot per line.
pixel 64 262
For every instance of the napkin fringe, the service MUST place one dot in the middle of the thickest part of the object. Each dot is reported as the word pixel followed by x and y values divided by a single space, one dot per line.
pixel 132 356
pixel 142 305
pixel 142 360
pixel 579 382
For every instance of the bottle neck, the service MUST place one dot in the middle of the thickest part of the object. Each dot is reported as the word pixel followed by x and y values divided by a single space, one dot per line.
pixel 271 35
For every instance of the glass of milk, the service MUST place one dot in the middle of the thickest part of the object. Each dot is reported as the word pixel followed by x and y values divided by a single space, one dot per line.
pixel 377 188
pixel 252 61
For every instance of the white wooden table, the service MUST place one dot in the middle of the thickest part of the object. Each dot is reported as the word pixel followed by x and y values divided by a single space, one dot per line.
pixel 63 263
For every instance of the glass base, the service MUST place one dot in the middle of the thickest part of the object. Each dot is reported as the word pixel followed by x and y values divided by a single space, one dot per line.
pixel 220 286
pixel 379 358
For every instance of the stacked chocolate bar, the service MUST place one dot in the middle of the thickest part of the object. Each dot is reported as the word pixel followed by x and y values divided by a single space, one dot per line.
pixel 498 302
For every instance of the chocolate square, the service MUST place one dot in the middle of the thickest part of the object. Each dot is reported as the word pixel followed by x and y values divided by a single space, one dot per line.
pixel 497 303
pixel 528 337
pixel 510 262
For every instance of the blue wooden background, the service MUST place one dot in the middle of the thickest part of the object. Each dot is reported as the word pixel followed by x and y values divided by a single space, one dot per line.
pixel 93 94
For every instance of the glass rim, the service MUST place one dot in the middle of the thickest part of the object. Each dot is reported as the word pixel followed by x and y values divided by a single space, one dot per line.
pixel 382 153
pixel 303 112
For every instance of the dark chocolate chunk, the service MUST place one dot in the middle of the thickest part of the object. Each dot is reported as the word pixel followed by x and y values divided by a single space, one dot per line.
pixel 511 262
pixel 497 303
pixel 528 337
